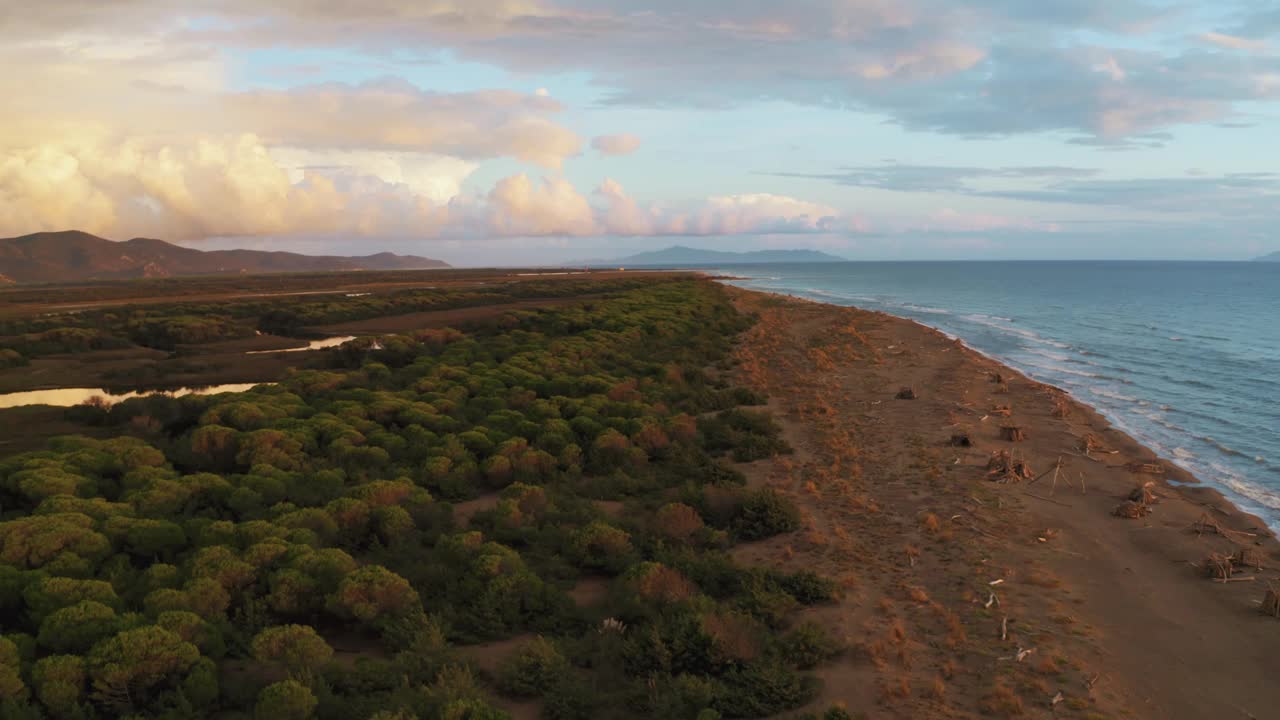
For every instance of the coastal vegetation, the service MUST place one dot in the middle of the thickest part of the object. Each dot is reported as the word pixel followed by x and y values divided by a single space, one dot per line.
pixel 337 544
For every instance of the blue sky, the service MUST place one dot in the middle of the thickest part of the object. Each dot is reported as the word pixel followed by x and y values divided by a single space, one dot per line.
pixel 540 131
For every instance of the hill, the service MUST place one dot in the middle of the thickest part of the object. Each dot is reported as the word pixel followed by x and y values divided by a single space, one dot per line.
pixel 679 255
pixel 1273 257
pixel 73 256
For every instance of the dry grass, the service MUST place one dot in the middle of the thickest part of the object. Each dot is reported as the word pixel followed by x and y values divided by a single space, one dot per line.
pixel 1001 701
pixel 930 523
pixel 1047 665
pixel 938 688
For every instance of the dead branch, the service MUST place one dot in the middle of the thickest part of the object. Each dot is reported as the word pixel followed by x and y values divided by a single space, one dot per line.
pixel 1131 510
pixel 1012 433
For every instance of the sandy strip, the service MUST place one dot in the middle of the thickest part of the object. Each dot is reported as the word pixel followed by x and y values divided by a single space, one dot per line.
pixel 969 597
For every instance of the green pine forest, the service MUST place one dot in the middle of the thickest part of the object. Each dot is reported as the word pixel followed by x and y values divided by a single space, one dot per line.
pixel 296 551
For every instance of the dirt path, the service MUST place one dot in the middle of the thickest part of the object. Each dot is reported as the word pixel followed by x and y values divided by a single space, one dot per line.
pixel 1109 612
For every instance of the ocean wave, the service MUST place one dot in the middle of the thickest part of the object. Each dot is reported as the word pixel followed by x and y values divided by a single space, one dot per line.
pixel 1267 498
pixel 1006 327
pixel 921 308
pixel 1225 450
pixel 1057 356
pixel 1113 395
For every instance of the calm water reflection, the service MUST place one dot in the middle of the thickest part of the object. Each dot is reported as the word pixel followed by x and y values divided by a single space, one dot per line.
pixel 67 397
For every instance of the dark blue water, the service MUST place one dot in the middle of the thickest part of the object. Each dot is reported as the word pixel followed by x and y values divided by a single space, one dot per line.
pixel 1183 356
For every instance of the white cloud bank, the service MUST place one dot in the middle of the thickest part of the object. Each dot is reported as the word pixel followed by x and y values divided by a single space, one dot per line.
pixel 239 186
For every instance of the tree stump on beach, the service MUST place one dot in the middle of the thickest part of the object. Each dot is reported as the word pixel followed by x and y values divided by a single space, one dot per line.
pixel 1247 557
pixel 997 378
pixel 1012 433
pixel 907 393
pixel 1218 567
pixel 1271 602
pixel 1003 467
pixel 1144 494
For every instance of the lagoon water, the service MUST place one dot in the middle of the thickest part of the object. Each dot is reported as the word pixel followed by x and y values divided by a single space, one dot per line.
pixel 314 344
pixel 67 397
pixel 1183 356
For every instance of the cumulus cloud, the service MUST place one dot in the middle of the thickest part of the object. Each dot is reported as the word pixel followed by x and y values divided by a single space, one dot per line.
pixel 238 186
pixel 615 144
pixel 521 206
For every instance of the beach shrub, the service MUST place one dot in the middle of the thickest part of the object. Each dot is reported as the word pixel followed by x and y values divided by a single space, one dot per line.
pixel 764 513
pixel 808 645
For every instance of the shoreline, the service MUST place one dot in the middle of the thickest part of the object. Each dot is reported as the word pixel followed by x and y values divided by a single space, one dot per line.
pixel 1238 501
pixel 1122 605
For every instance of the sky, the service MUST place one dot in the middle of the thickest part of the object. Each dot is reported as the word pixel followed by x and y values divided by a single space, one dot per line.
pixel 503 132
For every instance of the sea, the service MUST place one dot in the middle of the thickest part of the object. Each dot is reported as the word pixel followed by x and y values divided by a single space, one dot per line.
pixel 1183 356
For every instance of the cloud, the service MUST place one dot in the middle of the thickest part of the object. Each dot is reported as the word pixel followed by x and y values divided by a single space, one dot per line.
pixel 393 114
pixel 519 206
pixel 615 144
pixel 1232 42
pixel 238 186
pixel 948 220
pixel 935 178
pixel 1004 66
pixel 1232 196
pixel 760 213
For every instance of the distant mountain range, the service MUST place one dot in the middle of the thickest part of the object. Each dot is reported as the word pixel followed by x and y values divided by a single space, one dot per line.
pixel 73 256
pixel 679 255
pixel 1273 257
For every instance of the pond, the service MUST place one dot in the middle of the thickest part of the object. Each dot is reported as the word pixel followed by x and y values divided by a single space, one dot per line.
pixel 68 397
pixel 313 345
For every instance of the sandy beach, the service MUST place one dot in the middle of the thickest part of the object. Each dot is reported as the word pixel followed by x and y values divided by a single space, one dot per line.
pixel 989 585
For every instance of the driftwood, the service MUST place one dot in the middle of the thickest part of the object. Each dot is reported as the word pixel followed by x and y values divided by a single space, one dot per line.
pixel 1091 444
pixel 1144 494
pixel 1145 468
pixel 1002 411
pixel 1271 602
pixel 1218 567
pixel 1003 467
pixel 1223 567
pixel 1012 433
pixel 1247 557
pixel 906 393
pixel 1208 524
pixel 1061 406
pixel 1132 510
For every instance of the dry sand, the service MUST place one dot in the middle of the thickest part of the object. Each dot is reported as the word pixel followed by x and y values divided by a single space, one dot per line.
pixel 972 598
